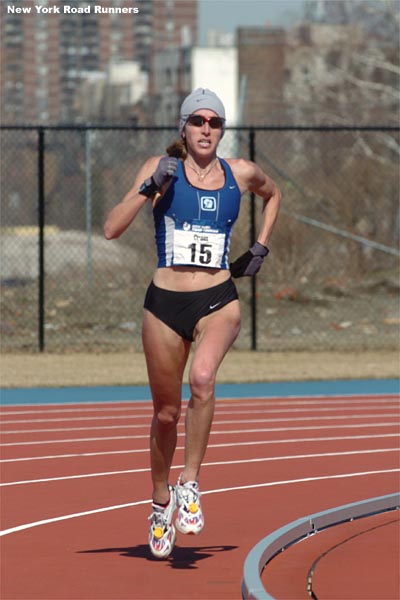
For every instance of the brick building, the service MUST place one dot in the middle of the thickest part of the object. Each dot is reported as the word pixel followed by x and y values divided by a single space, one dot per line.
pixel 45 56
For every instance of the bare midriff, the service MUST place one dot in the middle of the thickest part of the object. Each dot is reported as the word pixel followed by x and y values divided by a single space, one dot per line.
pixel 189 279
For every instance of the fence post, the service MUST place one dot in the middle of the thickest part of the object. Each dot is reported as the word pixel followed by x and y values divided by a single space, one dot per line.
pixel 253 280
pixel 41 223
pixel 88 207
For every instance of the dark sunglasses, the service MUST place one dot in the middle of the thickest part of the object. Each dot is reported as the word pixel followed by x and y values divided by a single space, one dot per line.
pixel 199 120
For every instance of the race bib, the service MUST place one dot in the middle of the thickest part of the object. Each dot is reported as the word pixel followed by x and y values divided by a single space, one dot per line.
pixel 199 246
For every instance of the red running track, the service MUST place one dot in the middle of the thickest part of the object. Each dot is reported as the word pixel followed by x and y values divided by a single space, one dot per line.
pixel 76 488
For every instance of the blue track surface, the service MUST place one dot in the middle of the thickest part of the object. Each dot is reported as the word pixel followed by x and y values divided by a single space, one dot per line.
pixel 78 395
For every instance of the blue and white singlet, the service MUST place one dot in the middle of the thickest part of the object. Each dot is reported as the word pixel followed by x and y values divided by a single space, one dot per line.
pixel 194 226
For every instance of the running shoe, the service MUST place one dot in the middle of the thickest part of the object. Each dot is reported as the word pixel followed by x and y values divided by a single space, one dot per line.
pixel 162 533
pixel 190 517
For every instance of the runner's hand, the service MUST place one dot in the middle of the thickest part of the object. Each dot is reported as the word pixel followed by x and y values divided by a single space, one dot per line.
pixel 165 171
pixel 250 262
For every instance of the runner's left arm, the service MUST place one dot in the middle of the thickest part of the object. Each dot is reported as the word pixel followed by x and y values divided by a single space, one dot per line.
pixel 255 180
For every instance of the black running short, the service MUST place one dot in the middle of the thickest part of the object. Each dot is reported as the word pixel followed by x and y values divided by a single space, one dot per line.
pixel 181 311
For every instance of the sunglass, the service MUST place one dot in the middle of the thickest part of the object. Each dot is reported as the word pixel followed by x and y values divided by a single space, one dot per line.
pixel 199 120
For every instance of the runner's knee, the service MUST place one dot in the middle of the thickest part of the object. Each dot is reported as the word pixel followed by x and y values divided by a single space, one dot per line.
pixel 167 417
pixel 202 382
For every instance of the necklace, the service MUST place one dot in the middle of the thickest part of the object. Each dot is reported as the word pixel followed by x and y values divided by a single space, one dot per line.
pixel 202 174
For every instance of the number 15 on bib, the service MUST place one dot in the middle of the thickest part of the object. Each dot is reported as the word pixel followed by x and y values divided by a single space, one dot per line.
pixel 198 249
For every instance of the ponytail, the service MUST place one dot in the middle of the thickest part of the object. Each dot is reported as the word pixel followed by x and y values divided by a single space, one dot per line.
pixel 178 149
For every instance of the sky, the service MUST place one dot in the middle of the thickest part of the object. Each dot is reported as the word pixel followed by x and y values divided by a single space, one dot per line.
pixel 227 15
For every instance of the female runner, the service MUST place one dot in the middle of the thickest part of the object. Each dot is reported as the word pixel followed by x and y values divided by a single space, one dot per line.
pixel 191 298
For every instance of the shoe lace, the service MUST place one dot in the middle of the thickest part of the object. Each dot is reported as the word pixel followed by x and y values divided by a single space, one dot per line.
pixel 158 520
pixel 188 494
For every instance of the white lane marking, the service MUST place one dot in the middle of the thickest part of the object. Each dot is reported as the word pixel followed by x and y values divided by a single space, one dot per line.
pixel 25 526
pixel 303 480
pixel 216 422
pixel 77 409
pixel 252 443
pixel 70 419
pixel 206 464
pixel 71 516
pixel 259 411
pixel 230 402
pixel 222 432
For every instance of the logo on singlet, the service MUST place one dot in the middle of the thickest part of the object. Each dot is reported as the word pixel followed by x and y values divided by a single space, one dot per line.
pixel 208 203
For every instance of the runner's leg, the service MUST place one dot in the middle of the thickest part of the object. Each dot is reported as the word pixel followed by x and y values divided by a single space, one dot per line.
pixel 214 336
pixel 166 356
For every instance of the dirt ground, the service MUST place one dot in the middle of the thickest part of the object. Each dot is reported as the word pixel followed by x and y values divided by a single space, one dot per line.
pixel 60 370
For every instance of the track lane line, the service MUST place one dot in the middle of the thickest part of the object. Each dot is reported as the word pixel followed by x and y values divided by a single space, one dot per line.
pixel 216 422
pixel 205 464
pixel 220 432
pixel 26 526
pixel 217 412
pixel 233 444
pixel 278 400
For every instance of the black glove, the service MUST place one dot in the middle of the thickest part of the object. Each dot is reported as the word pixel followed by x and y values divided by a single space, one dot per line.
pixel 250 262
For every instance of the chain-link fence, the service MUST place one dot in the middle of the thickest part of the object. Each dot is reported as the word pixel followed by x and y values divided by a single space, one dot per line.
pixel 330 281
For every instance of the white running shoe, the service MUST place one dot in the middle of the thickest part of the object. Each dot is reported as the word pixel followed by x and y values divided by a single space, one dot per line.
pixel 162 533
pixel 190 517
